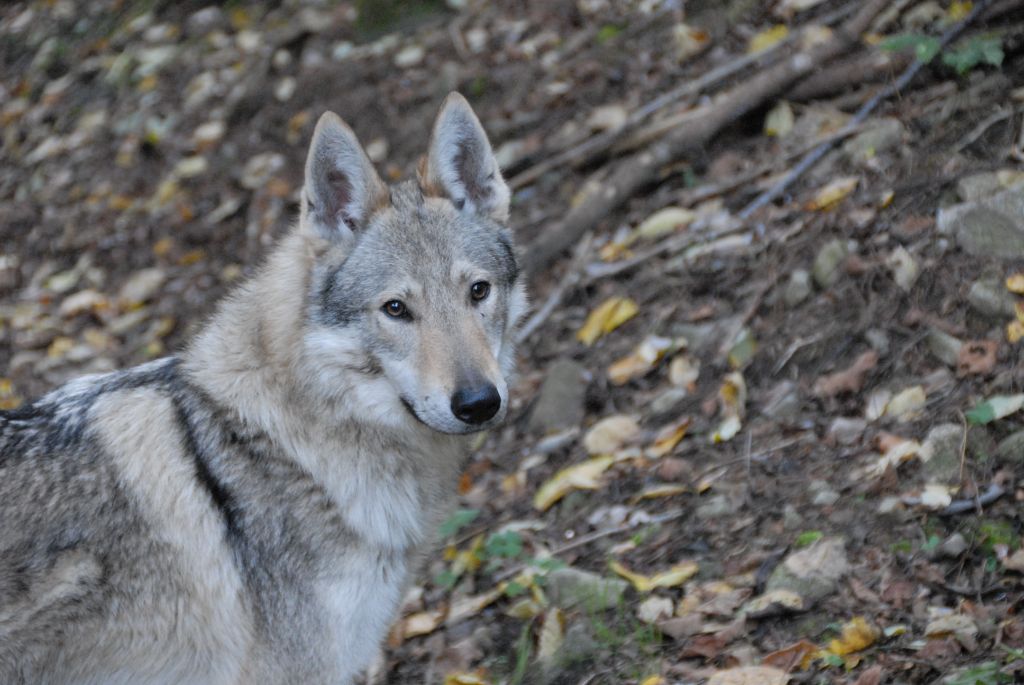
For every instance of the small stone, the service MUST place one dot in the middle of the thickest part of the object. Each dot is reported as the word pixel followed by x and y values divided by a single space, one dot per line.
pixel 940 453
pixel 989 297
pixel 944 346
pixel 654 609
pixel 341 50
pixel 377 150
pixel 410 56
pixel 715 507
pixel 798 288
pixel 782 402
pixel 884 135
pixel 208 134
pixel 791 518
pixel 828 263
pixel 141 286
pixel 191 166
pixel 571 588
pixel 814 572
pixel 674 469
pixel 1011 448
pixel 205 20
pixel 953 546
pixel 285 89
pixel 847 430
pixel 990 227
pixel 826 498
pixel 560 402
pixel 977 186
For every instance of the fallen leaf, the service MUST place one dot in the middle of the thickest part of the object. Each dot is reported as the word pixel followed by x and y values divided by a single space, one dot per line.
pixel 677 575
pixel 421 623
pixel 936 496
pixel 667 438
pixel 830 195
pixel 552 635
pixel 1015 561
pixel 660 490
pixel 907 405
pixel 585 476
pixel 466 607
pixel 976 358
pixel 798 655
pixel 872 676
pixel 661 223
pixel 775 602
pixel 856 635
pixel 653 680
pixel 849 380
pixel 1014 332
pixel 641 360
pixel 466 678
pixel 683 371
pixel 767 38
pixel 689 41
pixel 654 609
pixel 610 434
pixel 1015 283
pixel 749 675
pixel 995 408
pixel 608 316
pixel 779 120
pixel 896 454
pixel 956 625
pixel 727 430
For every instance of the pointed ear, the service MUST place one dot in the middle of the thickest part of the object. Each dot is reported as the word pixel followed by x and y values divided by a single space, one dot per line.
pixel 460 164
pixel 342 189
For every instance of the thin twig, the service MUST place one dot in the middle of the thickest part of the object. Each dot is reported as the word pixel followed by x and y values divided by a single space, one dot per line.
pixel 962 506
pixel 867 108
pixel 979 130
pixel 572 276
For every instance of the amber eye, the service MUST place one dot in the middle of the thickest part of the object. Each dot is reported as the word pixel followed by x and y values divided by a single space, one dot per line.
pixel 395 309
pixel 480 290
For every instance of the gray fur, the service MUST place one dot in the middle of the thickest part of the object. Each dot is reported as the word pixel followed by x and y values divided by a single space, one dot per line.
pixel 252 510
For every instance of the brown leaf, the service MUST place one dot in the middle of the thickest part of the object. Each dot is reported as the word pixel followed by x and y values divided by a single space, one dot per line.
pixel 977 358
pixel 796 656
pixel 850 379
pixel 872 676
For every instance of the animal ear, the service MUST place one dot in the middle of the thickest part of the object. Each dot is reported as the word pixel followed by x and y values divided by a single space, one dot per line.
pixel 342 189
pixel 460 164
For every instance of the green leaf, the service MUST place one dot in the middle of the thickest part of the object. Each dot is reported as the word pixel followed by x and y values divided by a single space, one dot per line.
pixel 507 545
pixel 446 580
pixel 457 521
pixel 994 408
pixel 514 589
pixel 807 538
pixel 925 47
pixel 607 33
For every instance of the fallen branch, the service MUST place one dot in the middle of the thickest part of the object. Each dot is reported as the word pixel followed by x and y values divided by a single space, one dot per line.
pixel 962 506
pixel 899 84
pixel 600 197
pixel 858 71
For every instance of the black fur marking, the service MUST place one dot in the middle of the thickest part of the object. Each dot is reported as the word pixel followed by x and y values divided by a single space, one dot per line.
pixel 336 311
pixel 408 407
pixel 508 260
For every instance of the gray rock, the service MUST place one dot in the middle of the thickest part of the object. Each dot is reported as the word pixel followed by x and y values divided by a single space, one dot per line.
pixel 944 346
pixel 828 263
pixel 1011 448
pixel 571 588
pixel 847 430
pixel 814 572
pixel 798 288
pixel 560 404
pixel 989 297
pixel 782 402
pixel 700 336
pixel 978 186
pixel 953 546
pixel 941 452
pixel 991 227
pixel 884 135
pixel 715 507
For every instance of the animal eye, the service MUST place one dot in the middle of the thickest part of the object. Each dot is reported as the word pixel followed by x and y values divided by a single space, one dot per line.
pixel 480 290
pixel 395 309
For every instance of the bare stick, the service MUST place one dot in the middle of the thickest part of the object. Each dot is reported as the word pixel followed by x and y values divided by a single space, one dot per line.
pixel 961 506
pixel 899 84
pixel 573 274
pixel 602 196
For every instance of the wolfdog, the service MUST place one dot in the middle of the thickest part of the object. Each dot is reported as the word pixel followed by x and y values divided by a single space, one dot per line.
pixel 251 510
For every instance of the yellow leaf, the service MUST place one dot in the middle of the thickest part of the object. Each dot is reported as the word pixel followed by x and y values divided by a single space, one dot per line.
pixel 653 680
pixel 856 635
pixel 1015 283
pixel 886 199
pixel 8 397
pixel 727 430
pixel 767 38
pixel 421 623
pixel 749 675
pixel 667 438
pixel 647 354
pixel 552 634
pixel 677 575
pixel 585 476
pixel 958 10
pixel 662 490
pixel 830 195
pixel 465 678
pixel 466 607
pixel 661 223
pixel 610 434
pixel 611 314
pixel 907 405
pixel 1018 310
pixel 1014 331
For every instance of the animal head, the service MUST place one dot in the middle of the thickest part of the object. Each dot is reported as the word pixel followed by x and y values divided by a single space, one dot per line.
pixel 415 293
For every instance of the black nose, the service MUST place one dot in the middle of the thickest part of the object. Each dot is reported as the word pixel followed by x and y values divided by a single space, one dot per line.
pixel 476 405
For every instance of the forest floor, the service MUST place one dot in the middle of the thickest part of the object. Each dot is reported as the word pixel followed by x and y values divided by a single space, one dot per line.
pixel 771 446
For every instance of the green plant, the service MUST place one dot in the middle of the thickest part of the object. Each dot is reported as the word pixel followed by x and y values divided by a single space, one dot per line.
pixel 986 673
pixel 457 521
pixel 962 57
pixel 808 538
